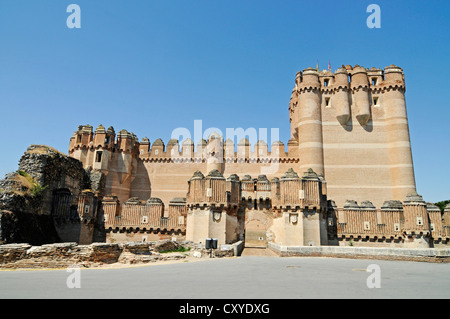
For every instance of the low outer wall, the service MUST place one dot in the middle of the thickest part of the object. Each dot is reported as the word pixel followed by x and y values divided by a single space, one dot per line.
pixel 404 254
pixel 58 255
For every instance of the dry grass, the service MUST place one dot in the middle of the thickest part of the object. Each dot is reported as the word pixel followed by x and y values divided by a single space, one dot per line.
pixel 28 183
pixel 42 149
pixel 23 181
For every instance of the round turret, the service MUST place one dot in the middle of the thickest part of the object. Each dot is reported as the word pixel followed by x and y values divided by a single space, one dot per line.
pixel 310 77
pixel 307 123
pixel 392 205
pixel 360 88
pixel 290 175
pixel 351 204
pixel 197 175
pixel 359 76
pixel 110 130
pixel 394 74
pixel 340 100
pixel 341 77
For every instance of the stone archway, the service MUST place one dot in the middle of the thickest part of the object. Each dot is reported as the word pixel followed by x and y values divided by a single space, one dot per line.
pixel 257 223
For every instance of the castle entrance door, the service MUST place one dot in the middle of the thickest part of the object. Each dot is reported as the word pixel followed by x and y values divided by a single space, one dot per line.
pixel 256 225
pixel 255 234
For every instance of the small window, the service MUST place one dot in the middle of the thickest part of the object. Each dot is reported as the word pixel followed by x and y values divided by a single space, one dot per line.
pixel 325 82
pixel 144 219
pixel 396 227
pixel 98 157
pixel 330 221
pixel 156 152
pixel 375 101
pixel 78 138
pixel 107 140
pixel 86 209
pixel 374 81
pixel 142 152
pixel 432 227
pixel 327 102
pixel 366 225
pixel 144 239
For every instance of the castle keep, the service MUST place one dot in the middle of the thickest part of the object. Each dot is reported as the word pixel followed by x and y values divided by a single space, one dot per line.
pixel 345 177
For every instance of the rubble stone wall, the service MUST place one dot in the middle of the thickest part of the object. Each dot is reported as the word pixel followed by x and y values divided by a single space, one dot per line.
pixel 63 255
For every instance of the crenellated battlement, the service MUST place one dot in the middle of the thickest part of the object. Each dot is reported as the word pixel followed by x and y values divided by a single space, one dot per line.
pixel 84 139
pixel 146 216
pixel 412 222
pixel 288 191
pixel 205 149
pixel 348 77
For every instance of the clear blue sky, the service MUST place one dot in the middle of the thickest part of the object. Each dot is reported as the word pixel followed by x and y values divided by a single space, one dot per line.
pixel 150 66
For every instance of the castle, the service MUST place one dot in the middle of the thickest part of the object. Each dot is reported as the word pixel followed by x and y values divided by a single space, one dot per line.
pixel 346 177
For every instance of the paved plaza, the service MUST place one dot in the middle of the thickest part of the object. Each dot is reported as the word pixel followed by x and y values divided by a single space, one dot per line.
pixel 246 277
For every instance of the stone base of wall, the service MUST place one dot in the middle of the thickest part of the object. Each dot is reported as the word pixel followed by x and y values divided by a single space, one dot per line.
pixel 141 235
pixel 377 253
pixel 63 255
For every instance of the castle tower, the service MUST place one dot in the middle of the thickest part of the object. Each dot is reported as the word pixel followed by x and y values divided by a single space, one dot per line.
pixel 302 208
pixel 87 210
pixel 397 130
pixel 80 143
pixel 117 160
pixel 436 225
pixel 211 211
pixel 307 121
pixel 351 128
pixel 103 145
pixel 446 216
pixel 416 223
